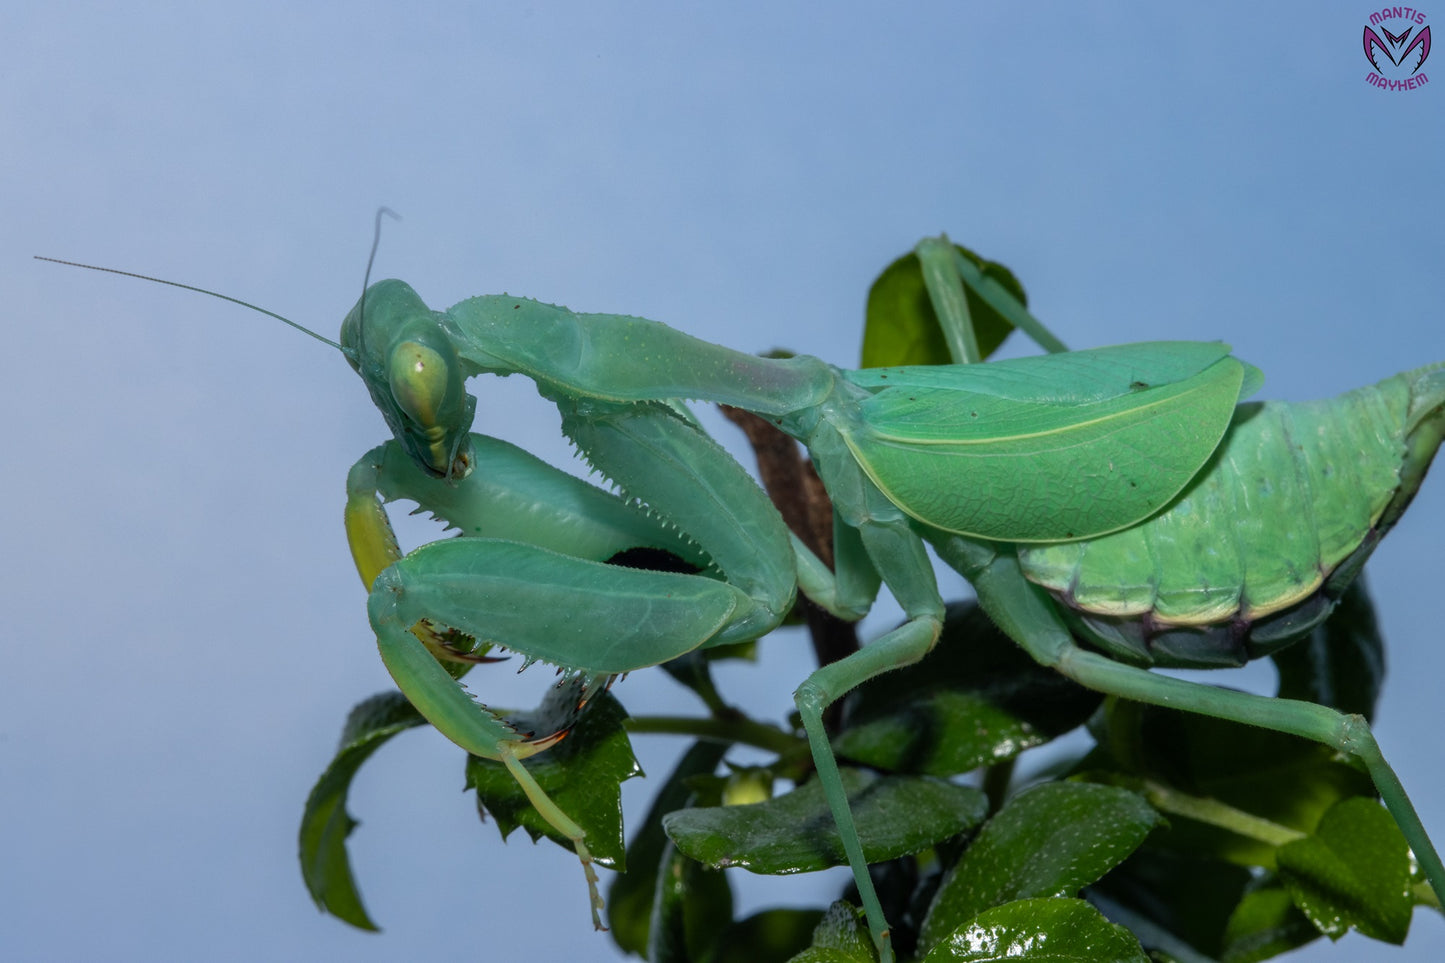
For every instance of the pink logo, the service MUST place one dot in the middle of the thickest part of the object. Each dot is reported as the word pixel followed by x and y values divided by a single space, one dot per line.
pixel 1397 58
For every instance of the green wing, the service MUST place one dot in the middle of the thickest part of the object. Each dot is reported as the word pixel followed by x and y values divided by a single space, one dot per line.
pixel 1050 448
pixel 1296 490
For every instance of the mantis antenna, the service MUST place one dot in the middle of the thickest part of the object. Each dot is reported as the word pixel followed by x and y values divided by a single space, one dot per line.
pixel 366 281
pixel 190 287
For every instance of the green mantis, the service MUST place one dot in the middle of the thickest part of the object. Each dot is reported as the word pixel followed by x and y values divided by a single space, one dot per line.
pixel 1028 477
pixel 1031 453
pixel 896 449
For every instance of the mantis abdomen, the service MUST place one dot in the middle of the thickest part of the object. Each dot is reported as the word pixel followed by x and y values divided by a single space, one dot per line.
pixel 1255 552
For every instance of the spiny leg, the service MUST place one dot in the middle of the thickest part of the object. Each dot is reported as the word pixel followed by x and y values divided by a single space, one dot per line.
pixel 527 598
pixel 687 481
pixel 509 494
pixel 374 547
pixel 1029 617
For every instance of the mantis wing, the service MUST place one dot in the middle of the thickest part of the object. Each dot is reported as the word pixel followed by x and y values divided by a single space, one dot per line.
pixel 1050 448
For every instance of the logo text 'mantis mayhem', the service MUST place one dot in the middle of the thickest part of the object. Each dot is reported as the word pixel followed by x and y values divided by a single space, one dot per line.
pixel 1397 56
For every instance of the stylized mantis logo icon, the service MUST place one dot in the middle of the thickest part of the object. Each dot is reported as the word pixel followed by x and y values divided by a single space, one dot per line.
pixel 1396 42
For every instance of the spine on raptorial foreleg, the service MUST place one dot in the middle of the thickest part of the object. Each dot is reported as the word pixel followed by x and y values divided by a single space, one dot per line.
pixel 687 481
pixel 1258 549
pixel 516 496
pixel 423 680
pixel 447 706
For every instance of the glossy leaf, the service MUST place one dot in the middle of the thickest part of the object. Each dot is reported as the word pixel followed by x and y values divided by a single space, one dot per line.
pixel 1265 924
pixel 795 832
pixel 977 699
pixel 1279 778
pixel 631 894
pixel 325 823
pixel 770 936
pixel 841 936
pixel 1051 840
pixel 1190 898
pixel 692 907
pixel 1354 871
pixel 1039 931
pixel 582 774
pixel 901 327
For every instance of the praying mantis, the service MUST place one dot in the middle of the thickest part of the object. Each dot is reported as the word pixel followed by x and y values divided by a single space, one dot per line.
pixel 1036 479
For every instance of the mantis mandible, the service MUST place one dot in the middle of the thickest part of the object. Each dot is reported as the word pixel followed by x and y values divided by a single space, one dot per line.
pixel 1105 439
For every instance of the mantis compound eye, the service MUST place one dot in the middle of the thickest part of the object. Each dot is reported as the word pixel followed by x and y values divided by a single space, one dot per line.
pixel 419 380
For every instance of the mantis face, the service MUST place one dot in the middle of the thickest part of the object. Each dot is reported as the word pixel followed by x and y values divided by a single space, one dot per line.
pixel 400 349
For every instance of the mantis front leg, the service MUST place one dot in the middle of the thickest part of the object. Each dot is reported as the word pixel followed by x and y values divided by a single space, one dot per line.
pixel 531 575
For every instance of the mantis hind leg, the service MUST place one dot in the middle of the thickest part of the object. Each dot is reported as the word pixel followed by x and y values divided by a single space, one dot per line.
pixel 1028 616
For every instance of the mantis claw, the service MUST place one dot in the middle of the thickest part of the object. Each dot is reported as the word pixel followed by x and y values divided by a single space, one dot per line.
pixel 594 893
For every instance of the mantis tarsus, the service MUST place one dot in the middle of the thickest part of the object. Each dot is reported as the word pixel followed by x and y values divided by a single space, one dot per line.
pixel 1018 473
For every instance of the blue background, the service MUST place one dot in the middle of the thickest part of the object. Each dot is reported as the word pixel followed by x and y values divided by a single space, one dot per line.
pixel 185 632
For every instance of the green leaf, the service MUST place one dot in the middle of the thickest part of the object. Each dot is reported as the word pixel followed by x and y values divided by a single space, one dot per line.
pixel 1354 871
pixel 631 894
pixel 901 327
pixel 325 823
pixel 1051 840
pixel 1265 924
pixel 1039 931
pixel 976 699
pixel 1276 777
pixel 1341 663
pixel 582 774
pixel 1187 897
pixel 795 832
pixel 771 936
pixel 841 936
pixel 692 907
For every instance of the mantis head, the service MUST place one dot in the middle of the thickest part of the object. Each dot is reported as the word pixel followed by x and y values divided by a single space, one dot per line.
pixel 405 355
